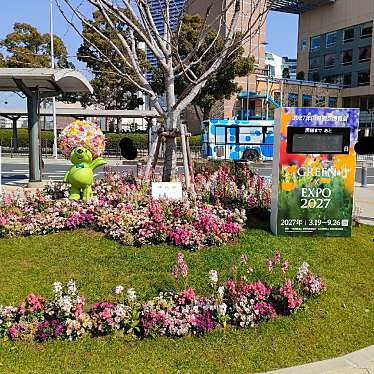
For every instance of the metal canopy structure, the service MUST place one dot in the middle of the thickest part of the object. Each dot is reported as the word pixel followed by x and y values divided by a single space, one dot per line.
pixel 297 6
pixel 38 84
pixel 82 113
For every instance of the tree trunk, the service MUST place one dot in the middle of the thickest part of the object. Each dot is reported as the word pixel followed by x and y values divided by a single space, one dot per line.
pixel 206 112
pixel 170 161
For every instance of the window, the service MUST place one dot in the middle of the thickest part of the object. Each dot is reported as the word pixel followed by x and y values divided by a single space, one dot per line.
pixel 293 99
pixel 320 101
pixel 303 45
pixel 330 39
pixel 330 60
pixel 314 62
pixel 315 76
pixel 315 43
pixel 333 102
pixel 347 80
pixel 348 35
pixel 347 57
pixel 271 70
pixel 307 100
pixel 366 30
pixel 371 102
pixel 363 78
pixel 364 54
pixel 277 97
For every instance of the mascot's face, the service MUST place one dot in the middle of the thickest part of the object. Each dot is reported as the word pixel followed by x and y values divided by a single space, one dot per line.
pixel 80 154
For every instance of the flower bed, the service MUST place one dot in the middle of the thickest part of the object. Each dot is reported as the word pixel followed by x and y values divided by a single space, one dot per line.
pixel 242 301
pixel 124 211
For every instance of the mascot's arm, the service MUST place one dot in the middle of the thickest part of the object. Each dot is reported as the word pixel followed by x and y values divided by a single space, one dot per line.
pixel 66 176
pixel 97 163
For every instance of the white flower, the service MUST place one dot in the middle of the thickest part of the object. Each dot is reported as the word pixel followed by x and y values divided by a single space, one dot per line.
pixel 222 309
pixel 221 291
pixel 120 310
pixel 131 295
pixel 57 287
pixel 65 304
pixel 303 271
pixel 213 276
pixel 119 289
pixel 72 288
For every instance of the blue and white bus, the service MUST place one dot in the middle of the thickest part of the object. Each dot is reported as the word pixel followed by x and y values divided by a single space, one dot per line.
pixel 237 139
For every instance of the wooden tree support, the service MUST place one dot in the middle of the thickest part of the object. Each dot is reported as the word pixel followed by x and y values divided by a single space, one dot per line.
pixel 186 152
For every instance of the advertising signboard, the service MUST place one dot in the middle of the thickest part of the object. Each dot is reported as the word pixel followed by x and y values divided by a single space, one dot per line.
pixel 314 171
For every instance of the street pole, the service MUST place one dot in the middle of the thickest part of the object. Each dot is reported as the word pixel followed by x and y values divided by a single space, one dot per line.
pixel 55 155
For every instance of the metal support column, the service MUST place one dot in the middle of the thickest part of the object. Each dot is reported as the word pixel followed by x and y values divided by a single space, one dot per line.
pixel 35 174
pixel 14 134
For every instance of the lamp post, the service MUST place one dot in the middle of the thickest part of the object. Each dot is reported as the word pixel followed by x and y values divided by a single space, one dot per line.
pixel 55 155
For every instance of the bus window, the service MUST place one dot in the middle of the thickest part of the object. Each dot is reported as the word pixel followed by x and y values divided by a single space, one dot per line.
pixel 220 135
pixel 250 135
pixel 231 135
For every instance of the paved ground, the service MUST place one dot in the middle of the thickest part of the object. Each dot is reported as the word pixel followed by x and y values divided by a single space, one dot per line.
pixel 360 362
pixel 364 202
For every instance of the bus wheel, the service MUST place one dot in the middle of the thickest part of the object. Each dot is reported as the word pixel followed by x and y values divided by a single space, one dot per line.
pixel 251 155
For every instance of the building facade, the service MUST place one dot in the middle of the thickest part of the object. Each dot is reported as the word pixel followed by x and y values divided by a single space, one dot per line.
pixel 291 65
pixel 335 45
pixel 157 8
pixel 273 64
pixel 253 46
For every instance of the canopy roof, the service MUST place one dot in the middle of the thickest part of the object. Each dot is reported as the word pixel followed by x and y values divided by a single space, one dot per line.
pixel 79 113
pixel 46 80
pixel 297 6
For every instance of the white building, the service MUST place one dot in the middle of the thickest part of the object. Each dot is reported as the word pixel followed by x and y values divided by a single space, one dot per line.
pixel 273 64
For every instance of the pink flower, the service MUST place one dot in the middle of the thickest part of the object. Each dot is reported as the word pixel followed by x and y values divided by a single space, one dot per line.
pixel 277 256
pixel 186 295
pixel 269 264
pixel 22 308
pixel 284 266
pixel 181 268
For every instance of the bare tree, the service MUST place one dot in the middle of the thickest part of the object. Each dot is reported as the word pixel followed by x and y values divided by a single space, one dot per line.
pixel 231 22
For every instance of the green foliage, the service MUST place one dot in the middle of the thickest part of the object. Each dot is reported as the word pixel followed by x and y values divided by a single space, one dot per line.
pixel 221 84
pixel 139 138
pixel 339 322
pixel 2 61
pixel 286 73
pixel 26 47
pixel 111 90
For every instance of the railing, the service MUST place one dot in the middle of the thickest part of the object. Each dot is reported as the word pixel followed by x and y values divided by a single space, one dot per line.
pixel 112 150
pixel 367 159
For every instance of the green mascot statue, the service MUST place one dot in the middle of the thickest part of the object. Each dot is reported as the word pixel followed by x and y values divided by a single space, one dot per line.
pixel 83 143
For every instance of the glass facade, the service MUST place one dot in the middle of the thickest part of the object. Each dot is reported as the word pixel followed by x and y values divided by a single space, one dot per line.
pixel 307 100
pixel 342 56
pixel 333 102
pixel 293 99
pixel 157 7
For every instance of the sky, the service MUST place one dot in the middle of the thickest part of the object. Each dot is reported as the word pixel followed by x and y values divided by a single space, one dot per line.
pixel 281 34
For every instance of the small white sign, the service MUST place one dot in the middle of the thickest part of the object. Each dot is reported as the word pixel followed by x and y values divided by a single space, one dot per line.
pixel 167 190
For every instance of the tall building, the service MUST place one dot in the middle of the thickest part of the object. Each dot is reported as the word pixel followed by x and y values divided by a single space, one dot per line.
pixel 336 45
pixel 291 65
pixel 253 46
pixel 157 11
